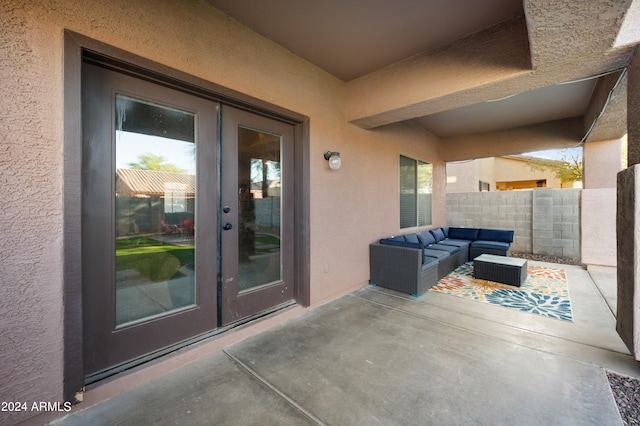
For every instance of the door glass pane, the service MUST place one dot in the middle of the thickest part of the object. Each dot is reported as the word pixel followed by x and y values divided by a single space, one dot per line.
pixel 155 197
pixel 259 206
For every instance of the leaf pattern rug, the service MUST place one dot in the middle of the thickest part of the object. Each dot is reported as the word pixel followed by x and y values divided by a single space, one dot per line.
pixel 544 292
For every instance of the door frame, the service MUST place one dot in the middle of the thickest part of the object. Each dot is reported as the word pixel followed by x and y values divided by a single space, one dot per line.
pixel 79 48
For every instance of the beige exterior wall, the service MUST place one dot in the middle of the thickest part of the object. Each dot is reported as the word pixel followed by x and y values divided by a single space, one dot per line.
pixel 349 208
pixel 513 170
pixel 463 176
pixel 495 169
pixel 602 162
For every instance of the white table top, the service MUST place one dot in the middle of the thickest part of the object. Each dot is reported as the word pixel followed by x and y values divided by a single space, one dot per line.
pixel 501 260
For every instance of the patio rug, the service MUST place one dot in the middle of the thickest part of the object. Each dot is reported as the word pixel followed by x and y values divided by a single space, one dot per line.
pixel 544 292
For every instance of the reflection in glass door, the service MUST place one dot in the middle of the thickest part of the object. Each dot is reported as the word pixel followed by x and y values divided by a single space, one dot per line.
pixel 259 208
pixel 155 198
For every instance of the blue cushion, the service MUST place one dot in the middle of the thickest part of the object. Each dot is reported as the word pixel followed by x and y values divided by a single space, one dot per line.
pixel 438 254
pixel 457 243
pixel 502 235
pixel 438 234
pixel 428 262
pixel 399 241
pixel 463 233
pixel 496 245
pixel 445 229
pixel 426 238
pixel 450 249
pixel 412 238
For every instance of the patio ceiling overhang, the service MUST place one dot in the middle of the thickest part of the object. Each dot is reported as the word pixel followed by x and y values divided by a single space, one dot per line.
pixel 533 74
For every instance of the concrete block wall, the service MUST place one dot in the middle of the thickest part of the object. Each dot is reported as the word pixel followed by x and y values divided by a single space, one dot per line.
pixel 545 220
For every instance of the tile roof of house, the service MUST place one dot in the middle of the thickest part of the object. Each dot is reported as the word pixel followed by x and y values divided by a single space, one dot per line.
pixel 156 182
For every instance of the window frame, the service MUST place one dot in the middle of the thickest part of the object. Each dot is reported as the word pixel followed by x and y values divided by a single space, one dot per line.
pixel 427 214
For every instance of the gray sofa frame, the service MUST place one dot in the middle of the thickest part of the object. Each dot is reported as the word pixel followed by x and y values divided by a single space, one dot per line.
pixel 400 268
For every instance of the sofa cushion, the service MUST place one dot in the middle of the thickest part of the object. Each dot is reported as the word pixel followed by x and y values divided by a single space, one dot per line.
pixel 495 245
pixel 449 249
pixel 426 238
pixel 463 233
pixel 438 234
pixel 501 235
pixel 445 229
pixel 456 243
pixel 428 262
pixel 411 238
pixel 399 241
pixel 438 254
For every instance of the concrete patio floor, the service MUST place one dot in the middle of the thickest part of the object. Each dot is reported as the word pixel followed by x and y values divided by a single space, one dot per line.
pixel 380 357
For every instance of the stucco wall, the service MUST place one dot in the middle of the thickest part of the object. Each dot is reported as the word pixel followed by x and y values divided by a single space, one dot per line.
pixel 463 176
pixel 602 162
pixel 509 170
pixel 598 227
pixel 349 208
pixel 492 170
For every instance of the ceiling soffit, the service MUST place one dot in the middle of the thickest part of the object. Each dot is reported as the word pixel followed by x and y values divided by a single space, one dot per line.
pixel 351 38
pixel 545 104
pixel 438 62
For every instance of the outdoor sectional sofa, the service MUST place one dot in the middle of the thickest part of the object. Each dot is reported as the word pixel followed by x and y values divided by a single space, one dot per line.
pixel 413 263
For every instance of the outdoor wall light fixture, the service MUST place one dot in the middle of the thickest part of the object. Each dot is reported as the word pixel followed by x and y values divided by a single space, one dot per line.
pixel 334 159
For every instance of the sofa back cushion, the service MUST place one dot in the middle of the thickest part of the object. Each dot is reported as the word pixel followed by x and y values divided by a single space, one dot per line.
pixel 470 234
pixel 502 235
pixel 426 238
pixel 400 241
pixel 438 234
pixel 412 238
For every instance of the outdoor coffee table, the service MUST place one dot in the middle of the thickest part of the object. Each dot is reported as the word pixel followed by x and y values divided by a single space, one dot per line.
pixel 501 269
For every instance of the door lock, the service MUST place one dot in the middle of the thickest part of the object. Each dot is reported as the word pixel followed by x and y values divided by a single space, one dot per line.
pixel 227 226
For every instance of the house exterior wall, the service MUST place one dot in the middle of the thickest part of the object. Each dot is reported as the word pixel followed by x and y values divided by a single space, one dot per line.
pixel 349 208
pixel 493 170
pixel 463 176
pixel 509 170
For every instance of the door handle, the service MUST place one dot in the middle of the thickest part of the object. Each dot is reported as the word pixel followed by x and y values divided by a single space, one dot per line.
pixel 227 226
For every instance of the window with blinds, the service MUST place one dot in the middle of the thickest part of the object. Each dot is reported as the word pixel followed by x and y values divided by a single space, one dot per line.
pixel 415 192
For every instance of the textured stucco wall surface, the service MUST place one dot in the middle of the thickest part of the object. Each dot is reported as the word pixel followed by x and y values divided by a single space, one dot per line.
pixel 492 170
pixel 598 226
pixel 602 162
pixel 463 176
pixel 628 239
pixel 349 208
pixel 30 212
pixel 633 109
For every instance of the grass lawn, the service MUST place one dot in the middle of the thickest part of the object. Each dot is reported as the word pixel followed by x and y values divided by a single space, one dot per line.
pixel 153 259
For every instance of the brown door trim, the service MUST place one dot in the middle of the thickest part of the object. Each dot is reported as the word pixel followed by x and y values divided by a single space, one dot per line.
pixel 77 47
